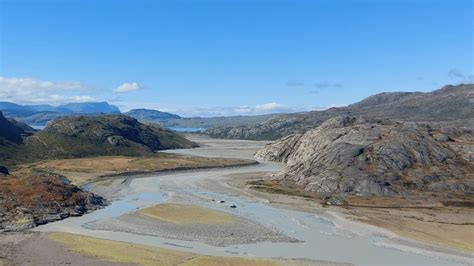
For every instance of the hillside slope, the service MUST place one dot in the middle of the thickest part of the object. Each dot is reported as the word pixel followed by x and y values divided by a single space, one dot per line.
pixel 12 130
pixel 11 138
pixel 451 104
pixel 83 136
pixel 357 156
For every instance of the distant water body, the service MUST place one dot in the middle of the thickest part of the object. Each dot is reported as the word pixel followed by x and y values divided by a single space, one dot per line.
pixel 37 127
pixel 187 129
pixel 177 129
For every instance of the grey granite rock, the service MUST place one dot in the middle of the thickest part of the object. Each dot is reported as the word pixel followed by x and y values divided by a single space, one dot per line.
pixel 364 156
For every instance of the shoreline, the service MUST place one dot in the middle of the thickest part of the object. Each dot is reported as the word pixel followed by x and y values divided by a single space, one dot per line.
pixel 330 229
pixel 343 220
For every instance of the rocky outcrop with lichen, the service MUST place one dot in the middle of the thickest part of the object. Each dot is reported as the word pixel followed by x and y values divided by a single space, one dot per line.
pixel 363 156
pixel 31 199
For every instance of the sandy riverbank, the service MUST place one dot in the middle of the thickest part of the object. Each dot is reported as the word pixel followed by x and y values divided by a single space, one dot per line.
pixel 212 230
pixel 323 234
pixel 445 229
pixel 69 249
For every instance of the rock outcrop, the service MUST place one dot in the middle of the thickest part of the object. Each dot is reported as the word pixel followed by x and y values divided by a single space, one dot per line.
pixel 31 199
pixel 363 156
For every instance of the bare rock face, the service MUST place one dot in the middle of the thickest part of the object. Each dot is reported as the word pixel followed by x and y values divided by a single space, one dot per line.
pixel 352 155
pixel 3 171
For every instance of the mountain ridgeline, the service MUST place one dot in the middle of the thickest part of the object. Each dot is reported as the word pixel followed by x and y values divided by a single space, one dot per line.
pixel 12 134
pixel 82 136
pixel 41 114
pixel 450 104
pixel 151 116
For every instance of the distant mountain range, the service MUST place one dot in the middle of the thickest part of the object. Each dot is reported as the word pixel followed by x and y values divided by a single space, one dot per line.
pixel 149 115
pixel 41 114
pixel 174 121
pixel 71 108
pixel 450 104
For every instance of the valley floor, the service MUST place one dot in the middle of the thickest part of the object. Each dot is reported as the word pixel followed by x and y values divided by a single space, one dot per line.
pixel 213 217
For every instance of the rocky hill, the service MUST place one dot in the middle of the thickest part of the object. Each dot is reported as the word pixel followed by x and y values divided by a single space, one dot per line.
pixel 83 136
pixel 448 104
pixel 364 156
pixel 149 115
pixel 11 138
pixel 12 130
pixel 28 199
pixel 31 199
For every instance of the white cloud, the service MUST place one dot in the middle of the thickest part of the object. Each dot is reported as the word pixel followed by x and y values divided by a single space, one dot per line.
pixel 29 90
pixel 127 87
pixel 322 108
pixel 294 83
pixel 270 107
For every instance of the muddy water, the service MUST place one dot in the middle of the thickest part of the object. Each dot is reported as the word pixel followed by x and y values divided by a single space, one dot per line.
pixel 324 237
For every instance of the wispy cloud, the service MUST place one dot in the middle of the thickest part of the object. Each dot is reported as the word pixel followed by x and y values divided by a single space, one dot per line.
pixel 322 108
pixel 294 83
pixel 325 85
pixel 320 86
pixel 459 76
pixel 30 90
pixel 127 87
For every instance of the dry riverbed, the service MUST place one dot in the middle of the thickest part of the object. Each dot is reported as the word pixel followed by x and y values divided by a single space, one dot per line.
pixel 71 249
pixel 93 169
pixel 213 217
pixel 426 220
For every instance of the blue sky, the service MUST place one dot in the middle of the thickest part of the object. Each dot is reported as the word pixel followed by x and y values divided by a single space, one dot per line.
pixel 230 57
